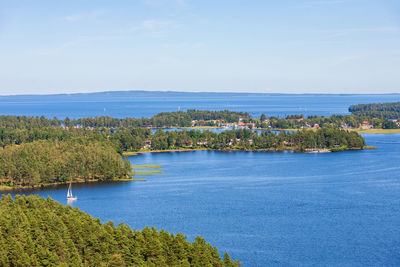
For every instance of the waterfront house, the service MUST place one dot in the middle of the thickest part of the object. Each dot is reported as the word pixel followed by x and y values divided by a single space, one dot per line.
pixel 187 143
pixel 366 125
pixel 202 143
pixel 147 144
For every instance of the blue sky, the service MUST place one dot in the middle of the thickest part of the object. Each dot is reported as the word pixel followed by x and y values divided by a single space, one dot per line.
pixel 298 46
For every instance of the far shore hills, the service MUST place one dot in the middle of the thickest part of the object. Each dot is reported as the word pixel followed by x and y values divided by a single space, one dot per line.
pixel 174 92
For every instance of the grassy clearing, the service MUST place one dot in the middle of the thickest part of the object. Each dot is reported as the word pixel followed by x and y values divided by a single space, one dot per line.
pixel 146 169
pixel 129 153
pixel 5 188
pixel 146 166
pixel 378 131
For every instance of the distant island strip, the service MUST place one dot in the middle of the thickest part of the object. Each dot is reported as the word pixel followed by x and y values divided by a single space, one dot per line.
pixel 363 117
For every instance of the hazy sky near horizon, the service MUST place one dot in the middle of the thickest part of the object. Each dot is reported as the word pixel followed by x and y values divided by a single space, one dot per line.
pixel 286 46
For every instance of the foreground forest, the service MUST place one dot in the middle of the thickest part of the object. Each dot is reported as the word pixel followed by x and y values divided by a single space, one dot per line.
pixel 41 232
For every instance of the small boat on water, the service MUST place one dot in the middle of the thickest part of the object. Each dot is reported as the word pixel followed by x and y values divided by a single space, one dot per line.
pixel 318 150
pixel 69 193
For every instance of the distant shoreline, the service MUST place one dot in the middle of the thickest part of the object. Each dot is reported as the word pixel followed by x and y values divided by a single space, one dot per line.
pixel 183 92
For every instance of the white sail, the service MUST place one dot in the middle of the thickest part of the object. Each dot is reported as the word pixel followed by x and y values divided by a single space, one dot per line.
pixel 69 193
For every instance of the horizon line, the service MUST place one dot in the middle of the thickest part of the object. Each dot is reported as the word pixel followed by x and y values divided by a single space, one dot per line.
pixel 195 92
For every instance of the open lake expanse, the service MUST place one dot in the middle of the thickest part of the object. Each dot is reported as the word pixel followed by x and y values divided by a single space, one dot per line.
pixel 146 104
pixel 264 208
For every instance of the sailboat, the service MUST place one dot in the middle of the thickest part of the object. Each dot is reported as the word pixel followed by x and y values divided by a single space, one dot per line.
pixel 69 193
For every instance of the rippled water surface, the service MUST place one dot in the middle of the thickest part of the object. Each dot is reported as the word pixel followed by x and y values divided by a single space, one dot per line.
pixel 146 104
pixel 267 208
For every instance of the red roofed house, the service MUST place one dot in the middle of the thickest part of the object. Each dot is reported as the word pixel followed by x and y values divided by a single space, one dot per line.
pixel 366 125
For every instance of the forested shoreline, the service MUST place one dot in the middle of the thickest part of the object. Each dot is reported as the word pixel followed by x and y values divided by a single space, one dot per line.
pixel 164 119
pixel 244 139
pixel 55 155
pixel 45 162
pixel 38 151
pixel 380 116
pixel 135 139
pixel 381 110
pixel 42 232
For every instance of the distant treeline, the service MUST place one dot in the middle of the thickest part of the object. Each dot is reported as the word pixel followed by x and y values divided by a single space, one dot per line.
pixel 39 232
pixel 341 121
pixel 376 115
pixel 121 140
pixel 384 110
pixel 48 162
pixel 165 119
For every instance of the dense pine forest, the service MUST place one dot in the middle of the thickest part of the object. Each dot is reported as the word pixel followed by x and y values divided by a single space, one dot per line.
pixel 164 119
pixel 41 232
pixel 45 162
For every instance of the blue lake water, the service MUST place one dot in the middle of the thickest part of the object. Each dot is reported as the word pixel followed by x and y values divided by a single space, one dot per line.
pixel 264 208
pixel 267 208
pixel 147 104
